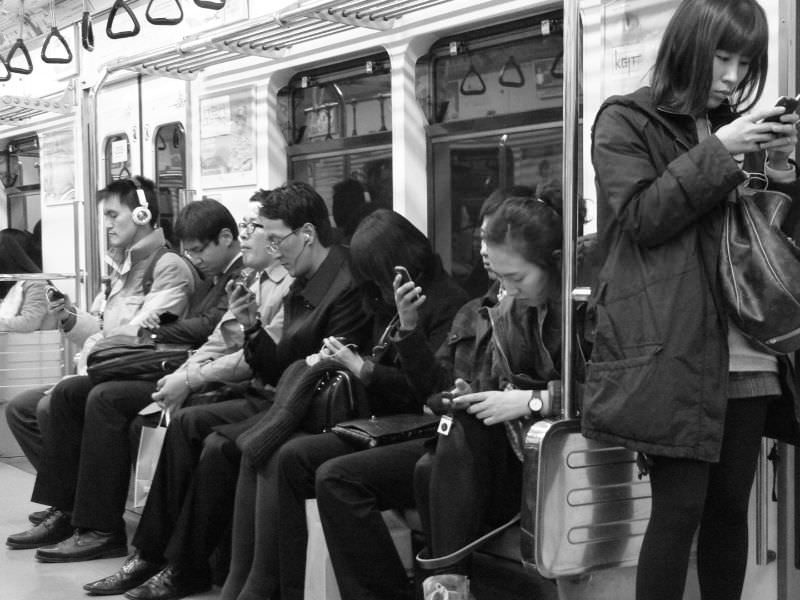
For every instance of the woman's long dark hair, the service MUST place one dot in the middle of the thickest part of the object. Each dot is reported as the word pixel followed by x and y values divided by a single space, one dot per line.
pixel 16 248
pixel 384 239
pixel 682 75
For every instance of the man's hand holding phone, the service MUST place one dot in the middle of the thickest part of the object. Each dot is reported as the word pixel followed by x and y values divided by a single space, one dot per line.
pixel 241 302
pixel 60 307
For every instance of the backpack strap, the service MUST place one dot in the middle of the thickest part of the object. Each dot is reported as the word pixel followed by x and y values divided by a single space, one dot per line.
pixel 147 278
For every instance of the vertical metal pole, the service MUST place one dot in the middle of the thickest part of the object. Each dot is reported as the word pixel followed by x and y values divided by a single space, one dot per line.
pixel 572 35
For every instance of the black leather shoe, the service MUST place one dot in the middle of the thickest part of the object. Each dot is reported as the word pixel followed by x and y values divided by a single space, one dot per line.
pixel 85 545
pixel 170 583
pixel 134 572
pixel 54 529
pixel 40 515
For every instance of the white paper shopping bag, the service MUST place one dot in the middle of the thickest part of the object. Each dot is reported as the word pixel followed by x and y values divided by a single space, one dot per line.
pixel 150 443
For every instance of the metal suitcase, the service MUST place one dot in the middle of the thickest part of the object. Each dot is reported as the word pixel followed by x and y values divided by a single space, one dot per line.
pixel 585 507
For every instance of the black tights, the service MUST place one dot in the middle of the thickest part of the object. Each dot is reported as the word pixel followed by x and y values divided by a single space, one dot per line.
pixel 688 493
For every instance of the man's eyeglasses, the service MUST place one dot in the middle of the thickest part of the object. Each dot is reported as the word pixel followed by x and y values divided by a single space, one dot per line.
pixel 274 246
pixel 196 252
pixel 250 226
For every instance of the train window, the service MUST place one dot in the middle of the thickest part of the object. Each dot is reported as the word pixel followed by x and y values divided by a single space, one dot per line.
pixel 496 71
pixel 21 183
pixel 349 100
pixel 117 157
pixel 170 153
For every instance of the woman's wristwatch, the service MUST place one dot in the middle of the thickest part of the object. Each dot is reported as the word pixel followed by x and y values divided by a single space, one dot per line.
pixel 537 402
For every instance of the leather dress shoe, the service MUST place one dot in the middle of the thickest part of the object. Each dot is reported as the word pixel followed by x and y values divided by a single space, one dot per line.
pixel 54 529
pixel 170 583
pixel 38 516
pixel 134 572
pixel 85 545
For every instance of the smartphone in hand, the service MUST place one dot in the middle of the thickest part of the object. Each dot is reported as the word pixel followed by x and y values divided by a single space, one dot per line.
pixel 403 272
pixel 789 105
pixel 54 294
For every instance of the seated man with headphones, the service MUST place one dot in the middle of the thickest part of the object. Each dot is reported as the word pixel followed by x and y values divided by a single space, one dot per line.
pixel 144 282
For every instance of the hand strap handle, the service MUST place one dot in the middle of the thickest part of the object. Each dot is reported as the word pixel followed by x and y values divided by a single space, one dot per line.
pixel 56 34
pixel 120 4
pixel 211 5
pixel 19 46
pixel 87 33
pixel 164 20
pixel 511 67
pixel 5 75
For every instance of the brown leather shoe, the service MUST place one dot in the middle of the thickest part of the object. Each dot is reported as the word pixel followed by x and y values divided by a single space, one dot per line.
pixel 134 572
pixel 169 584
pixel 54 529
pixel 85 545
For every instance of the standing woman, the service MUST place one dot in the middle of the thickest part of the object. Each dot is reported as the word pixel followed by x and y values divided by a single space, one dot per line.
pixel 24 305
pixel 671 377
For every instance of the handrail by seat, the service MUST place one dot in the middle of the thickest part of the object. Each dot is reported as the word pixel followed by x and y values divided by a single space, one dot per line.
pixel 35 276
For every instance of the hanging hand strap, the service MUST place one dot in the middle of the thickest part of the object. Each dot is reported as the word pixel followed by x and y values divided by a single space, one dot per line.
pixel 19 46
pixel 472 72
pixel 5 75
pixel 55 34
pixel 87 33
pixel 211 5
pixel 120 4
pixel 164 20
pixel 511 67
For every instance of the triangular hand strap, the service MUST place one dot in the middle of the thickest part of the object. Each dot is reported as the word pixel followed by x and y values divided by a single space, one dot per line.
pixel 165 20
pixel 87 33
pixel 19 46
pixel 112 15
pixel 5 74
pixel 211 5
pixel 55 34
pixel 470 91
pixel 516 79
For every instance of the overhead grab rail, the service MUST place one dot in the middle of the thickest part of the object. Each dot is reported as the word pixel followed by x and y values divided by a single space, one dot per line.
pixel 121 4
pixel 87 32
pixel 19 46
pixel 55 34
pixel 511 75
pixel 164 20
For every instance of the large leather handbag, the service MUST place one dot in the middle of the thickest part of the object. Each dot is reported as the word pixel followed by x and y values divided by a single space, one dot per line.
pixel 338 396
pixel 126 357
pixel 760 270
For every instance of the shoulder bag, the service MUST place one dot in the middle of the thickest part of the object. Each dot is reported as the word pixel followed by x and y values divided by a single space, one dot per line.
pixel 760 270
pixel 124 357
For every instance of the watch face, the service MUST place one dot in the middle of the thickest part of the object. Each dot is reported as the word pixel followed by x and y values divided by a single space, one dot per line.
pixel 535 404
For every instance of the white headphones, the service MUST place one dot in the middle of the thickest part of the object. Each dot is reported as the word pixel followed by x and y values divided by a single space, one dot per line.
pixel 141 215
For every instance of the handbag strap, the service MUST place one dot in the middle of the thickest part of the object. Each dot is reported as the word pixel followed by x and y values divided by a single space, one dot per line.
pixel 430 564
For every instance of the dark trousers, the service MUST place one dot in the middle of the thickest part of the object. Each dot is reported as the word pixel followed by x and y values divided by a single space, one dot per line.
pixel 86 462
pixel 474 481
pixel 714 496
pixel 352 490
pixel 255 563
pixel 27 416
pixel 191 498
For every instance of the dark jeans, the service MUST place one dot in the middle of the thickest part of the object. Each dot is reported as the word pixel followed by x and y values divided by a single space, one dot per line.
pixel 86 462
pixel 351 491
pixel 474 481
pixel 27 415
pixel 714 496
pixel 190 503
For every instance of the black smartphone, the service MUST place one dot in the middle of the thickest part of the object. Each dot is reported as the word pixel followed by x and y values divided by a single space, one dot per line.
pixel 245 279
pixel 54 294
pixel 403 272
pixel 167 318
pixel 789 105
